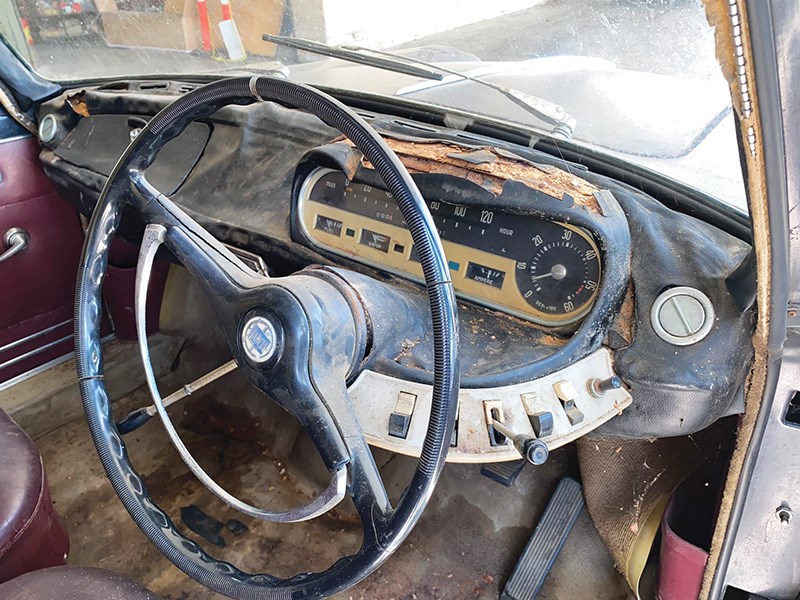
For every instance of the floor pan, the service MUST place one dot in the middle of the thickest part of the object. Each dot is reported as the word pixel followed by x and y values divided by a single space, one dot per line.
pixel 465 546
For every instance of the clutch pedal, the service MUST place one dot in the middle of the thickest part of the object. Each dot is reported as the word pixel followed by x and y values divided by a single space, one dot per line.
pixel 546 542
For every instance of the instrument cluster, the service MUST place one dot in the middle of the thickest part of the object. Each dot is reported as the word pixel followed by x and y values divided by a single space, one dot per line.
pixel 544 271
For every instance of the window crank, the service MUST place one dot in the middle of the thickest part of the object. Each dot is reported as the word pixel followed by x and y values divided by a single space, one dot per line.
pixel 15 240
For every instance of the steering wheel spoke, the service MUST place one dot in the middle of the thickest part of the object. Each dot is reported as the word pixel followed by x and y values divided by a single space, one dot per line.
pixel 214 266
pixel 366 486
pixel 368 491
pixel 330 497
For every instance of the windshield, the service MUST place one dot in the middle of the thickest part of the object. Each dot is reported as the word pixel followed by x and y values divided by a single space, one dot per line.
pixel 638 78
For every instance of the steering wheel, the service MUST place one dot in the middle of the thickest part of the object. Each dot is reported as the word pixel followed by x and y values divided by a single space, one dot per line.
pixel 297 338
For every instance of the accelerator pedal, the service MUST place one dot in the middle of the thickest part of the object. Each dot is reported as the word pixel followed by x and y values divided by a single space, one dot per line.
pixel 546 542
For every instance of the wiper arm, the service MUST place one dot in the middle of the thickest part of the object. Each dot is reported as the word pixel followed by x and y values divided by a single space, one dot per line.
pixel 549 112
pixel 354 54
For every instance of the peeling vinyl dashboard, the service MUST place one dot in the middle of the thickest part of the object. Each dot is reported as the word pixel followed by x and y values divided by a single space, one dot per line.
pixel 546 257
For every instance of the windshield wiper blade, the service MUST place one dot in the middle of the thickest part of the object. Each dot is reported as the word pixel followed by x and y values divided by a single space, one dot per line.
pixel 549 112
pixel 355 55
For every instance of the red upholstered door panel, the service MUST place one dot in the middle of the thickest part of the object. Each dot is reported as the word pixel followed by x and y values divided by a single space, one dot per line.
pixel 36 285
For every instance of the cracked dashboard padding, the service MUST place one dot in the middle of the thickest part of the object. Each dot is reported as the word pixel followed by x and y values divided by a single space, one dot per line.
pixel 679 390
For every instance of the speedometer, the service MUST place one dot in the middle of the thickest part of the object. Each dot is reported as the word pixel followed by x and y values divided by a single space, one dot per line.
pixel 561 277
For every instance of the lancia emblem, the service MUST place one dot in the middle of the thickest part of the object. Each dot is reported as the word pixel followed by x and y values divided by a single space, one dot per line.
pixel 259 339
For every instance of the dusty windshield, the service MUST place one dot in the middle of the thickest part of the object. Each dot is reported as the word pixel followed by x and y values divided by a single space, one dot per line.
pixel 638 79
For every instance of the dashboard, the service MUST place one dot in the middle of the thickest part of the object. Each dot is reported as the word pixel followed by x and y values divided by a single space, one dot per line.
pixel 546 255
pixel 544 271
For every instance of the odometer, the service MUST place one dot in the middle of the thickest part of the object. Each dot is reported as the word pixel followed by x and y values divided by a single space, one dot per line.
pixel 562 274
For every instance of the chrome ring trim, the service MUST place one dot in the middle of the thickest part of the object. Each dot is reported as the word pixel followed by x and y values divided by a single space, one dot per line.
pixel 48 120
pixel 695 337
pixel 254 90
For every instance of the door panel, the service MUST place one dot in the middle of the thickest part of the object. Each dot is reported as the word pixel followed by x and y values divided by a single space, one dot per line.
pixel 36 285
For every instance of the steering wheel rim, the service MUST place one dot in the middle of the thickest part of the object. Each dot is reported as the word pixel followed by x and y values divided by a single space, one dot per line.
pixel 126 184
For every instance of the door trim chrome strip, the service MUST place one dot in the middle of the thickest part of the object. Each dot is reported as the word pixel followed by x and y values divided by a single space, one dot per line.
pixel 33 336
pixel 48 365
pixel 34 352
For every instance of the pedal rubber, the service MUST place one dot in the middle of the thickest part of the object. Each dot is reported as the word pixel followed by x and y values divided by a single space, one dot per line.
pixel 546 542
pixel 503 472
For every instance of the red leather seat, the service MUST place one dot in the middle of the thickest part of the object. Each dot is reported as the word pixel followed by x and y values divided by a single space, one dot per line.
pixel 32 533
pixel 73 583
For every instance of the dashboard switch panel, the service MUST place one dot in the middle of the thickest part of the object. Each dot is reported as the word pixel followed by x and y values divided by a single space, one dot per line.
pixel 531 408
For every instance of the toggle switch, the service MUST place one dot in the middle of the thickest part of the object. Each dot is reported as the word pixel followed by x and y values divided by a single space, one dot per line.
pixel 541 421
pixel 598 387
pixel 567 393
pixel 400 419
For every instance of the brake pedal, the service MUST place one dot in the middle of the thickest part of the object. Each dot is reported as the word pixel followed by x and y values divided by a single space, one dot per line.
pixel 546 542
pixel 504 473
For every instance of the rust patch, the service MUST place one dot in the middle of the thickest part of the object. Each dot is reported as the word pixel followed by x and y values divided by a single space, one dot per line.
pixel 547 339
pixel 78 104
pixel 406 349
pixel 490 168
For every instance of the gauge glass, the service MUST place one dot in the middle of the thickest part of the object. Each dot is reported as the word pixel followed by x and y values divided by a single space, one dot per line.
pixel 562 275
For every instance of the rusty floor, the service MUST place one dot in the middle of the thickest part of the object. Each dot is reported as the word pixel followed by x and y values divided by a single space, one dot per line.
pixel 464 547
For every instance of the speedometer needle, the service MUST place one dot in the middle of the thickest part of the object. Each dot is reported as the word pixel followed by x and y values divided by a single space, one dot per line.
pixel 556 272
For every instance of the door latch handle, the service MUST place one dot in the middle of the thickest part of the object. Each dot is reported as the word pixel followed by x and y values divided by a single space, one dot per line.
pixel 15 240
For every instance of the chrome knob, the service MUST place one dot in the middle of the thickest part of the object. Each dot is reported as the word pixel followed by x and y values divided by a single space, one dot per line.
pixel 598 387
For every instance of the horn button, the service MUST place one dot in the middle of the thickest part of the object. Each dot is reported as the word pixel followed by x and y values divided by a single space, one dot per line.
pixel 261 339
